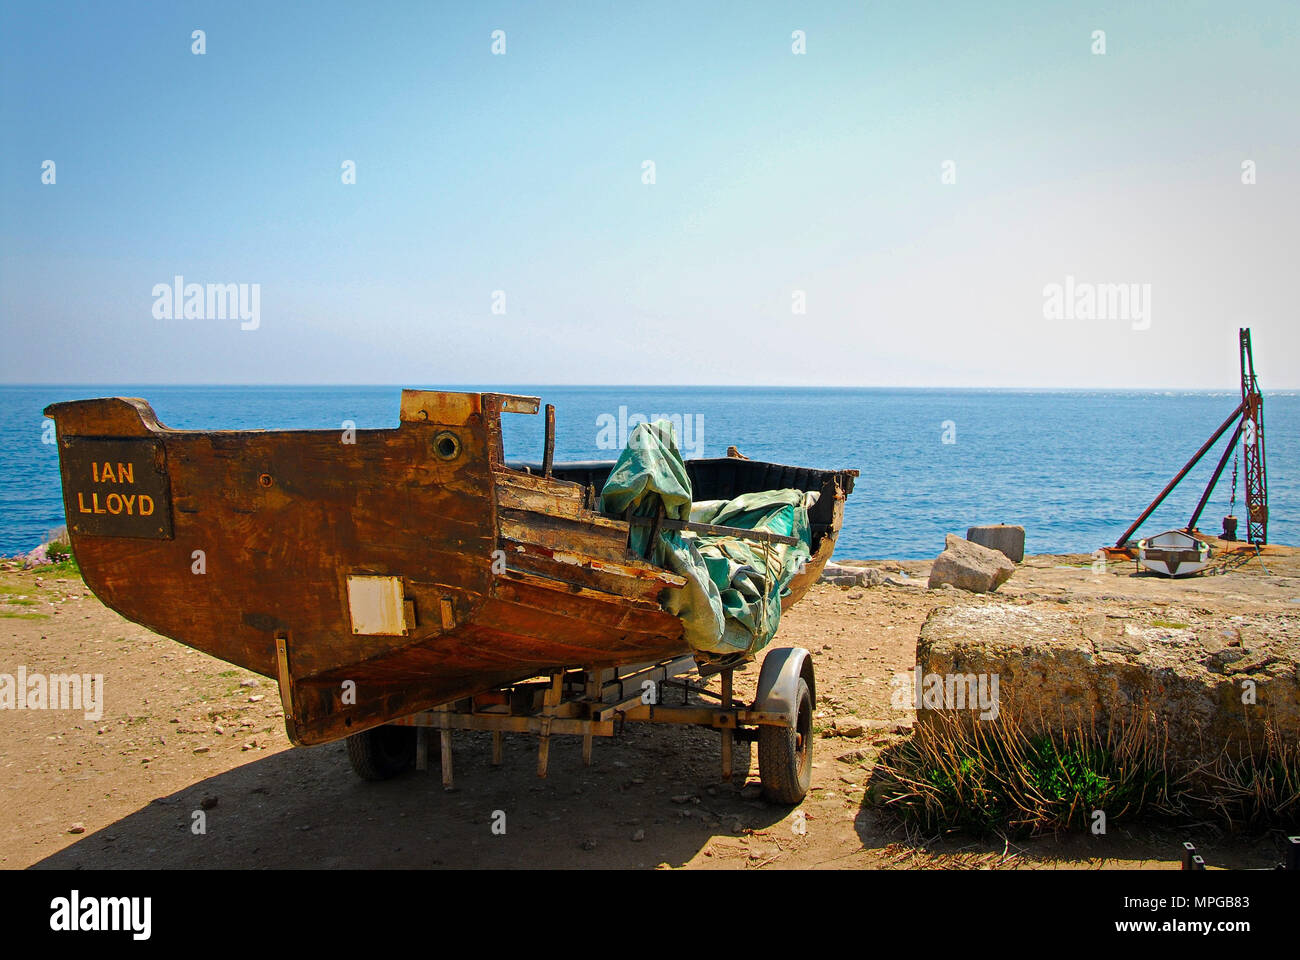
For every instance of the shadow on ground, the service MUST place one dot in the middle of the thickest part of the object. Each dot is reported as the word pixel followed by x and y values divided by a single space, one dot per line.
pixel 648 798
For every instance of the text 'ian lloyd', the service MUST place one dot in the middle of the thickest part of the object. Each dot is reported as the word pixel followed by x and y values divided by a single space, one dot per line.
pixel 133 505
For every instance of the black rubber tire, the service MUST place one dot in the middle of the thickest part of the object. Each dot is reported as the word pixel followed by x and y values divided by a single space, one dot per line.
pixel 785 754
pixel 381 753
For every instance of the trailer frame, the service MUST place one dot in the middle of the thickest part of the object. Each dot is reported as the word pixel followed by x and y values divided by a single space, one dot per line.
pixel 597 702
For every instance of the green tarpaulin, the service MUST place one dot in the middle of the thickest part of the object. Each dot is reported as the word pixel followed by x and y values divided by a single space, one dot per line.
pixel 731 604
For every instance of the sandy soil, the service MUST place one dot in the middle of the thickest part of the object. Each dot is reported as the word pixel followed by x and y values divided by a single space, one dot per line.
pixel 183 733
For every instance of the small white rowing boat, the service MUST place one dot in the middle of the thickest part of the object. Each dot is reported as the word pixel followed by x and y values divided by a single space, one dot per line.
pixel 1174 553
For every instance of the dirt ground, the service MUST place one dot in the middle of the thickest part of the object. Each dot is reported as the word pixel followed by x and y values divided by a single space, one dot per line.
pixel 183 734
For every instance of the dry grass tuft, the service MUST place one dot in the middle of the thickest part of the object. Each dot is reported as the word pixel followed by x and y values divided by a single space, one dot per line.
pixel 987 777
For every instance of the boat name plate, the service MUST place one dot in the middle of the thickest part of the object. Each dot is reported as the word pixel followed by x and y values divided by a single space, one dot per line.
pixel 115 487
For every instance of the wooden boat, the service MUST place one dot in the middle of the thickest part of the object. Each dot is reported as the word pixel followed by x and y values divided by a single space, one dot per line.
pixel 383 573
pixel 1174 553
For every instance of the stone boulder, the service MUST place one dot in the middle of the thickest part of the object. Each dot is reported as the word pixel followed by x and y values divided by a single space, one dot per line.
pixel 969 566
pixel 842 575
pixel 1000 536
pixel 1209 685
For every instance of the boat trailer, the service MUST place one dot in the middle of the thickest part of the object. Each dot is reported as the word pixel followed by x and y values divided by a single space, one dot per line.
pixel 597 702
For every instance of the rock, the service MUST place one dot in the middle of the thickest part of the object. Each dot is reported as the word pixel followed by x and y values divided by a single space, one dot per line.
pixel 836 581
pixel 1007 539
pixel 77 828
pixel 1213 644
pixel 589 844
pixel 1106 638
pixel 250 682
pixel 842 575
pixel 1060 668
pixel 638 836
pixel 207 803
pixel 849 727
pixel 969 566
pixel 853 756
pixel 1219 660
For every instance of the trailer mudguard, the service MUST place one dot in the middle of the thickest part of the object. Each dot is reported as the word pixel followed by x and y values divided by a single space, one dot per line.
pixel 778 681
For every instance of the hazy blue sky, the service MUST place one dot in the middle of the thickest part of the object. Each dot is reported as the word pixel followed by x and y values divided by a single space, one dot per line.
pixel 775 173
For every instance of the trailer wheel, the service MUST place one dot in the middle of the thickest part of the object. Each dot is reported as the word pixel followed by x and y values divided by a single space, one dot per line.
pixel 381 753
pixel 785 753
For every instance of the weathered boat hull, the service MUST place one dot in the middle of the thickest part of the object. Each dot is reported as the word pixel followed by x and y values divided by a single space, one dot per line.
pixel 373 574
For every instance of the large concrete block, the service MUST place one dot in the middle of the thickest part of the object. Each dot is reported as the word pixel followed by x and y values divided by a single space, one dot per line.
pixel 1212 684
pixel 1000 536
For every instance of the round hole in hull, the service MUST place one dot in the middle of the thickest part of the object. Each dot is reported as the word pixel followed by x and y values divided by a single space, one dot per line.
pixel 446 445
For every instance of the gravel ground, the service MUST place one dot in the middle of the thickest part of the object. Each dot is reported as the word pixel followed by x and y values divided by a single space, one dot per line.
pixel 185 739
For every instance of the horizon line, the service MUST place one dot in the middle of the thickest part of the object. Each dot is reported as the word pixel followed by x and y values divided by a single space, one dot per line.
pixel 696 386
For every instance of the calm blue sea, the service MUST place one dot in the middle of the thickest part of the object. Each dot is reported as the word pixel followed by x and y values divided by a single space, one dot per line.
pixel 1074 467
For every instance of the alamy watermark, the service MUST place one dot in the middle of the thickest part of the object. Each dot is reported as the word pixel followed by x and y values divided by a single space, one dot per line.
pixel 214 301
pixel 915 690
pixel 55 691
pixel 612 431
pixel 1073 300
pixel 75 913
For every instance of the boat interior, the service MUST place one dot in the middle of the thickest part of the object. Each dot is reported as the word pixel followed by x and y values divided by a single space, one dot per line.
pixel 725 478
